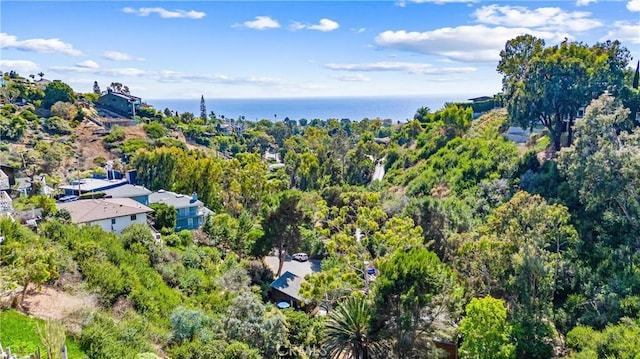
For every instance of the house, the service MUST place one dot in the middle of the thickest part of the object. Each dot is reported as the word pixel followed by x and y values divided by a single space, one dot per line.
pixel 286 288
pixel 4 181
pixel 123 104
pixel 137 193
pixel 6 207
pixel 191 211
pixel 24 185
pixel 112 214
pixel 91 185
pixel 42 83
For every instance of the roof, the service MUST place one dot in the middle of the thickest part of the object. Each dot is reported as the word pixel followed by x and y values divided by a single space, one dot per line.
pixel 289 284
pixel 481 98
pixel 94 184
pixel 123 95
pixel 174 199
pixel 127 191
pixel 91 210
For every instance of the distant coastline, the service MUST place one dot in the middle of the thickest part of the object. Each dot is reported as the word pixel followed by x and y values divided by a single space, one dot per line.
pixel 397 108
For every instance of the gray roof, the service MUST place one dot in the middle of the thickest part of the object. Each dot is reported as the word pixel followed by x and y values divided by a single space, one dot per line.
pixel 289 284
pixel 174 199
pixel 127 191
pixel 91 210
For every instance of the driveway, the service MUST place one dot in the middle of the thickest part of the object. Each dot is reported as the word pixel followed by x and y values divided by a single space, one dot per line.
pixel 298 268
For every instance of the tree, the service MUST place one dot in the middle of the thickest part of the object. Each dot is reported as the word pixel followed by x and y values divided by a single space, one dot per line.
pixel 96 88
pixel 41 74
pixel 164 216
pixel 603 163
pixel 281 223
pixel 31 263
pixel 66 110
pixel 203 109
pixel 119 88
pixel 57 91
pixel 53 337
pixel 348 332
pixel 548 85
pixel 413 289
pixel 485 332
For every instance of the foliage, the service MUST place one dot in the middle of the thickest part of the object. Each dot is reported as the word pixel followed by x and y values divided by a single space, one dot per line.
pixel 413 289
pixel 619 340
pixel 164 216
pixel 56 125
pixel 18 332
pixel 64 110
pixel 550 84
pixel 348 331
pixel 57 91
pixel 485 331
pixel 154 129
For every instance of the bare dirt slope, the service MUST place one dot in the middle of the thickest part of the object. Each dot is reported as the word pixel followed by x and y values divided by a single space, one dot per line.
pixel 56 304
pixel 90 143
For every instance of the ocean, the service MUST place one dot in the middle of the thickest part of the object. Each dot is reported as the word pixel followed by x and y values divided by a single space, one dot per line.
pixel 354 108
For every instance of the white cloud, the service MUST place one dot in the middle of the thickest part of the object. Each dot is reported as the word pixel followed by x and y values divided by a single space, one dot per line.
pixel 411 67
pixel 164 13
pixel 352 77
pixel 324 25
pixel 20 66
pixel 169 75
pixel 37 45
pixel 260 23
pixel 89 64
pixel 633 5
pixel 358 31
pixel 584 2
pixel 625 32
pixel 544 18
pixel 462 43
pixel 119 56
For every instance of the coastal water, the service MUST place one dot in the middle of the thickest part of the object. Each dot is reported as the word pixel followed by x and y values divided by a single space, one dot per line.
pixel 354 108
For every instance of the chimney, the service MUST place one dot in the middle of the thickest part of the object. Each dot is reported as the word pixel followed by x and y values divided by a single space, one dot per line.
pixel 194 197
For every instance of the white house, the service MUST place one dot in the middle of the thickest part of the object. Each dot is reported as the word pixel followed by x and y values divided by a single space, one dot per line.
pixel 112 214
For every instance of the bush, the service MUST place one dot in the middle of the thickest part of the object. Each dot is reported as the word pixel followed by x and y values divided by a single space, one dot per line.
pixel 155 130
pixel 56 126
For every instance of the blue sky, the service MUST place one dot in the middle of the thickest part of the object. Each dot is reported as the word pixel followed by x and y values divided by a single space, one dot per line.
pixel 296 48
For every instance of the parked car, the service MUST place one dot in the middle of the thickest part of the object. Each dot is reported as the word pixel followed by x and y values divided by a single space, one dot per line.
pixel 300 257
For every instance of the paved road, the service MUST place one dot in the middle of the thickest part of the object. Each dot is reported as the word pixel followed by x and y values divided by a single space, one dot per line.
pixel 298 268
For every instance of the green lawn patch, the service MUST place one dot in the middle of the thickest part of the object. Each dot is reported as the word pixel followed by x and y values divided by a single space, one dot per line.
pixel 18 332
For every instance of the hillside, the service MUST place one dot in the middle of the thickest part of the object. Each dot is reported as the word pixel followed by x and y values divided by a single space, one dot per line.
pixel 465 235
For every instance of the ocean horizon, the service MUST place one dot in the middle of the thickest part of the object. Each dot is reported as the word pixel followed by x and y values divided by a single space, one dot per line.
pixel 396 108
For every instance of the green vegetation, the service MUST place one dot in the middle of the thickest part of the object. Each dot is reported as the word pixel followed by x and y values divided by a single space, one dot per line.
pixel 19 332
pixel 527 251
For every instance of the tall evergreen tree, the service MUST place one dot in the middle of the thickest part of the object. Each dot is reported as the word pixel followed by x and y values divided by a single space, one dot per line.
pixel 96 87
pixel 203 109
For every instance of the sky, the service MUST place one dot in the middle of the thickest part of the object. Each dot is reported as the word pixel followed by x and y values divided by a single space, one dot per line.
pixel 261 49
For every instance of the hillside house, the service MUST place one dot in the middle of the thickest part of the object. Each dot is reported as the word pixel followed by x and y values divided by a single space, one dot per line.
pixel 286 288
pixel 6 207
pixel 111 214
pixel 191 211
pixel 4 181
pixel 137 193
pixel 120 103
pixel 91 185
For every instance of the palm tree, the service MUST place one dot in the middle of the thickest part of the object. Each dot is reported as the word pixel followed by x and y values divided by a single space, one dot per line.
pixel 348 334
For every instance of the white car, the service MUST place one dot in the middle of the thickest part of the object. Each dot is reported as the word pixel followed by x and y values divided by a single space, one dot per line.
pixel 300 257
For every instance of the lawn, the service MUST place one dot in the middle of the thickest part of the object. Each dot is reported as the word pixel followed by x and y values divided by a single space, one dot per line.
pixel 18 332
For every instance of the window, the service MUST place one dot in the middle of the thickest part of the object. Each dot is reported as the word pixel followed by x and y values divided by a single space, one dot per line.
pixel 133 217
pixel 113 221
